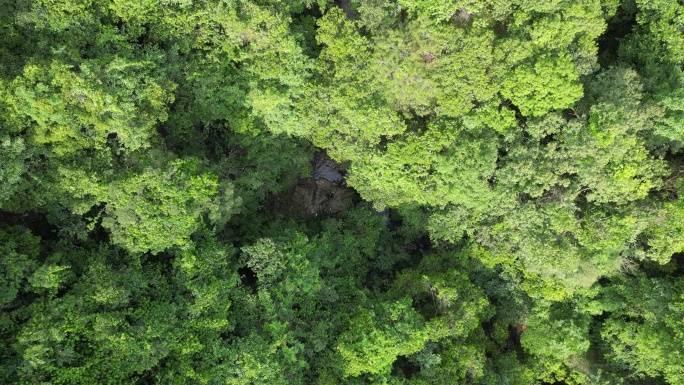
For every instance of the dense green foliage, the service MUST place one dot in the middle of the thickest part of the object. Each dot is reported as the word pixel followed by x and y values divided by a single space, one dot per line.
pixel 512 208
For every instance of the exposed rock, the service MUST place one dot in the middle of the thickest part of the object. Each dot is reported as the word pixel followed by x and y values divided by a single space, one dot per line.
pixel 313 197
pixel 351 14
pixel 326 168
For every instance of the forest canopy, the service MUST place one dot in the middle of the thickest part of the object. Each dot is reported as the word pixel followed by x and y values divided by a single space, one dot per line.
pixel 342 192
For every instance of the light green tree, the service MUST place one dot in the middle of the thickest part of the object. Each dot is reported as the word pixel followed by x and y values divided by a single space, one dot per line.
pixel 161 207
